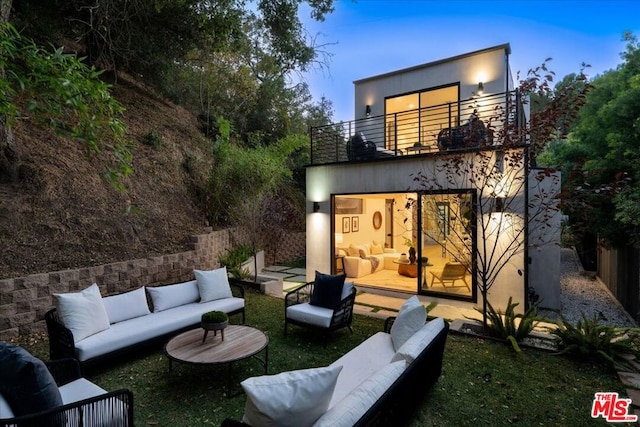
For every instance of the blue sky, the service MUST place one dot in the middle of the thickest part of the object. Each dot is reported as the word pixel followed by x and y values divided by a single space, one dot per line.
pixel 370 37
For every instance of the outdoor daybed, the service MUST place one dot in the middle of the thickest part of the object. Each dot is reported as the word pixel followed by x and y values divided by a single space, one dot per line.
pixel 33 393
pixel 88 327
pixel 378 383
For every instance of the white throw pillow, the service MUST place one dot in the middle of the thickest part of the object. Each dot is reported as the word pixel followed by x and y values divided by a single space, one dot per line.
pixel 293 398
pixel 346 290
pixel 376 249
pixel 165 297
pixel 349 410
pixel 126 306
pixel 411 317
pixel 213 284
pixel 83 313
pixel 353 250
pixel 419 341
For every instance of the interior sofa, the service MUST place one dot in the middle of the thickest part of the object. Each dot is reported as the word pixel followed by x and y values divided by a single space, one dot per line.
pixel 33 393
pixel 90 328
pixel 378 383
pixel 366 258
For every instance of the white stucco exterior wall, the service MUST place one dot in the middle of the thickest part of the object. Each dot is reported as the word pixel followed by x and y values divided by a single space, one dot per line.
pixel 394 176
pixel 489 66
pixel 544 240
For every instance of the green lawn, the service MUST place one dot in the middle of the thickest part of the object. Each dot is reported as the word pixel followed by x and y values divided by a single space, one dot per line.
pixel 483 382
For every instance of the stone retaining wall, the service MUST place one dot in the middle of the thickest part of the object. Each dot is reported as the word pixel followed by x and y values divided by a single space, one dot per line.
pixel 25 300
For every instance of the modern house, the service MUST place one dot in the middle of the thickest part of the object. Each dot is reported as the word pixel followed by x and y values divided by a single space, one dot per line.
pixel 430 191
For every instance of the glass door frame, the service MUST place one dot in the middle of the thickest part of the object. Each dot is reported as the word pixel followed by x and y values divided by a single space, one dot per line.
pixel 473 225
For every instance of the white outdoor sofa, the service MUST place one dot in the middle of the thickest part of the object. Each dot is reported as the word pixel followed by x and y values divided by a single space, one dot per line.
pixel 379 383
pixel 131 322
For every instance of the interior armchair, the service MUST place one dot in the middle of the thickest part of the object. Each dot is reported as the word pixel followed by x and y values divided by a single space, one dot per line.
pixel 324 304
pixel 451 272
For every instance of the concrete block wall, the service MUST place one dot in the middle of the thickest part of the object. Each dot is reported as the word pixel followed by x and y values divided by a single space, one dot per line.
pixel 25 300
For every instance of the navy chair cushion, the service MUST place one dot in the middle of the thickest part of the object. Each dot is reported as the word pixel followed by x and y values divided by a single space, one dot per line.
pixel 25 381
pixel 327 290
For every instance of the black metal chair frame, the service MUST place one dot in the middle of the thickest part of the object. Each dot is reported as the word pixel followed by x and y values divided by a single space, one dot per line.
pixel 86 412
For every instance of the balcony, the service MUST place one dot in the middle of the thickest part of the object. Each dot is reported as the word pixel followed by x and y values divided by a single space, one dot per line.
pixel 475 123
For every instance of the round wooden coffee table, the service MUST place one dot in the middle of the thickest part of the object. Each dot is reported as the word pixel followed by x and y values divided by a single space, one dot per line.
pixel 240 342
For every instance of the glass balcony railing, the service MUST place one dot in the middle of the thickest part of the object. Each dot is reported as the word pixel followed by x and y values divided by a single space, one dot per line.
pixel 475 123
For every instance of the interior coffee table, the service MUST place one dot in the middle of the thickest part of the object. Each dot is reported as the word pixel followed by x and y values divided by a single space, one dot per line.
pixel 240 342
pixel 407 269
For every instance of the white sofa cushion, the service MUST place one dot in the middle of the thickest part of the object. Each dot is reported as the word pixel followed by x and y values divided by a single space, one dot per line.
pixel 83 313
pixel 79 389
pixel 293 398
pixel 311 314
pixel 350 409
pixel 360 363
pixel 5 409
pixel 213 284
pixel 411 317
pixel 126 306
pixel 346 290
pixel 419 341
pixel 133 331
pixel 83 389
pixel 169 296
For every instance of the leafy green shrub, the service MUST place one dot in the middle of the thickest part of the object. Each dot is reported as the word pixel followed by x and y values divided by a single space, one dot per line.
pixel 510 326
pixel 153 139
pixel 214 317
pixel 233 259
pixel 591 340
pixel 64 94
pixel 239 174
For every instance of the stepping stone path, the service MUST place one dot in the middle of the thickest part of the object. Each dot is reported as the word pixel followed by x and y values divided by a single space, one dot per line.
pixel 291 277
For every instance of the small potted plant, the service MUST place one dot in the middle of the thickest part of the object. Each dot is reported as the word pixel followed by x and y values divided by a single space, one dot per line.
pixel 214 321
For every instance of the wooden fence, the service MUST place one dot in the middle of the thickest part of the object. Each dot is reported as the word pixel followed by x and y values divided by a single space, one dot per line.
pixel 619 270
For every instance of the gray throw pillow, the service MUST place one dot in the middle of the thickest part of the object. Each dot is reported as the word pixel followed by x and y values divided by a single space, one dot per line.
pixel 25 381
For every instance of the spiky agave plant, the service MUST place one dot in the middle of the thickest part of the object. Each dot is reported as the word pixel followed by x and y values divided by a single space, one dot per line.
pixel 591 340
pixel 509 325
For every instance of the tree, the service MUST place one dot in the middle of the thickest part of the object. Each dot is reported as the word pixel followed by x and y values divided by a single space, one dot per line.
pixel 491 207
pixel 600 157
pixel 493 193
pixel 57 90
pixel 239 173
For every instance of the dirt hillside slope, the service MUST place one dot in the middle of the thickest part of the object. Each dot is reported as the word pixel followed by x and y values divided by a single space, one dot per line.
pixel 62 214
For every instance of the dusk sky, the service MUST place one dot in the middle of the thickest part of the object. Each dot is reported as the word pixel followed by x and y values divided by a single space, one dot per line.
pixel 370 37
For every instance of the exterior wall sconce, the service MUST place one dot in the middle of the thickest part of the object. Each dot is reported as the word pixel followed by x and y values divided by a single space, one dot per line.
pixel 367 110
pixel 316 207
pixel 480 88
pixel 498 205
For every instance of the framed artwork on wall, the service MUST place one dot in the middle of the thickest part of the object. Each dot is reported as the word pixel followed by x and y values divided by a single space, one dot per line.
pixel 346 206
pixel 346 223
pixel 355 223
pixel 377 220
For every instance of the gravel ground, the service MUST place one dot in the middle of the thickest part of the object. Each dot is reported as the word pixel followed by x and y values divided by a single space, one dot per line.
pixel 580 293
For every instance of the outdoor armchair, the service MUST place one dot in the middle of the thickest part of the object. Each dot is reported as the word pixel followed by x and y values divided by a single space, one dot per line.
pixel 298 309
pixel 83 403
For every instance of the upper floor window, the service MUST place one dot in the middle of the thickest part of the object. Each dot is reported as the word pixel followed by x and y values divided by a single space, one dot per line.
pixel 415 119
